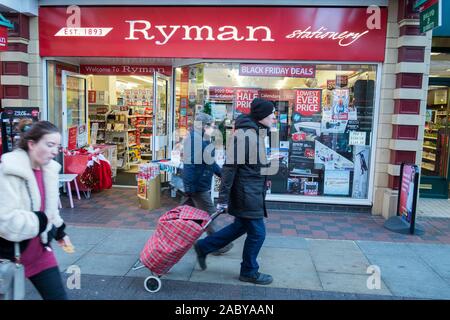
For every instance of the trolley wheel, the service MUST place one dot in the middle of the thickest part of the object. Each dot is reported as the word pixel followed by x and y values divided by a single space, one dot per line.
pixel 152 284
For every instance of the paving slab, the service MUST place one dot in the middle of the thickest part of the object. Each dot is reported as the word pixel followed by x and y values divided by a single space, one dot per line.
pixel 351 283
pixel 87 235
pixel 285 242
pixel 290 268
pixel 436 256
pixel 106 264
pixel 338 256
pixel 220 270
pixel 123 242
pixel 410 277
pixel 386 248
pixel 67 259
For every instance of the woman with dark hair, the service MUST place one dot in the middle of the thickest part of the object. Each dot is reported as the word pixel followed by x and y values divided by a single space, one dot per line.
pixel 29 212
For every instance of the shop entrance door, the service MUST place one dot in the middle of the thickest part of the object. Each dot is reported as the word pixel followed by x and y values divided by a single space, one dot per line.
pixel 74 110
pixel 160 115
pixel 435 155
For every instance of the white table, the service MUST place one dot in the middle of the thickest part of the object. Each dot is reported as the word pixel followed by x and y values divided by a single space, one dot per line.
pixel 67 179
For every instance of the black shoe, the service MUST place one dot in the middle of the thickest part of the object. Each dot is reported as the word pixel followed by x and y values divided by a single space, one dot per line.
pixel 201 258
pixel 223 250
pixel 259 278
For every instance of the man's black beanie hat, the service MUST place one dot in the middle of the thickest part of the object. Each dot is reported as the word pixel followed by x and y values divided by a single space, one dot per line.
pixel 260 108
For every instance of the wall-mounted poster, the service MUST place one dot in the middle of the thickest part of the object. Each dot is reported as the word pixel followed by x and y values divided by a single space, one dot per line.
pixel 361 171
pixel 340 103
pixel 336 182
pixel 331 159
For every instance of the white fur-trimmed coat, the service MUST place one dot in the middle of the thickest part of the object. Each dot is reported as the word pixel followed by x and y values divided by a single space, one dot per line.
pixel 18 222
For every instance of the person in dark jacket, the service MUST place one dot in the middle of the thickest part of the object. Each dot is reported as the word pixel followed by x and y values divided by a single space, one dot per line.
pixel 198 169
pixel 243 191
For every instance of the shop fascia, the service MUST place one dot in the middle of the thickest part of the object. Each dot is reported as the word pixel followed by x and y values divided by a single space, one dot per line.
pixel 162 34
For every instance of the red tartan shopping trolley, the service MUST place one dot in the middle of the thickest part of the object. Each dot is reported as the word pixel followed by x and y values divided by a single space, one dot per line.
pixel 175 234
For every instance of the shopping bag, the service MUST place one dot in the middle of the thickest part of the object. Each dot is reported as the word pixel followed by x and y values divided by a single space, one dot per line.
pixel 76 164
pixel 12 278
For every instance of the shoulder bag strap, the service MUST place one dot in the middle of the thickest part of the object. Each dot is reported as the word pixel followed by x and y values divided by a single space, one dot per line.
pixel 16 244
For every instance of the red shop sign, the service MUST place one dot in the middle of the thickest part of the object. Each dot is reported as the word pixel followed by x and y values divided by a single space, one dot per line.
pixel 3 38
pixel 277 70
pixel 124 70
pixel 270 33
pixel 243 98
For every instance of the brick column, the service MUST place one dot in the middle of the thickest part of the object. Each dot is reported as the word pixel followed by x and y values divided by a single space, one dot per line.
pixel 14 81
pixel 408 99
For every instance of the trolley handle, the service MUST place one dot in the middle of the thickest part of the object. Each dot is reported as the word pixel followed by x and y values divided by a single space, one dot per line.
pixel 213 217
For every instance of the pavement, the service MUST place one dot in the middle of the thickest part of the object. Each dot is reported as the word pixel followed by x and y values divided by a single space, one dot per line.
pixel 312 254
pixel 303 268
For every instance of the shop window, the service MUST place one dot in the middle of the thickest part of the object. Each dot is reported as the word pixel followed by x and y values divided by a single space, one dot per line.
pixel 324 118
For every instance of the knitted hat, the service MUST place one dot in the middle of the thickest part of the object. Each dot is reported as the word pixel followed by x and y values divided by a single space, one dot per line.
pixel 204 118
pixel 260 108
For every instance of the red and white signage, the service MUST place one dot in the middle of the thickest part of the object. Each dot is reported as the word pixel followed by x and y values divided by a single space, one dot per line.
pixel 3 38
pixel 221 93
pixel 124 70
pixel 277 70
pixel 72 138
pixel 243 98
pixel 308 101
pixel 281 33
pixel 270 94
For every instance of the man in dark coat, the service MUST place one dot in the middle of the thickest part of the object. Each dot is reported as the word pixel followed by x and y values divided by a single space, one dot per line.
pixel 243 191
pixel 198 171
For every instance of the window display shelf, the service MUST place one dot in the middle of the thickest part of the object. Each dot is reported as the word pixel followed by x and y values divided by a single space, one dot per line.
pixel 430 147
pixel 430 159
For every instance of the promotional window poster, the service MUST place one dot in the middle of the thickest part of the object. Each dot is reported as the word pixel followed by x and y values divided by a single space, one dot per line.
pixel 302 155
pixel 306 115
pixel 338 142
pixel 407 192
pixel 336 182
pixel 142 189
pixel 311 188
pixel 330 125
pixel 339 104
pixel 331 159
pixel 361 171
pixel 243 98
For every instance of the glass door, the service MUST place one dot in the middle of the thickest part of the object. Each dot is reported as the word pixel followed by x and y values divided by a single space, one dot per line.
pixel 74 110
pixel 161 111
pixel 435 155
